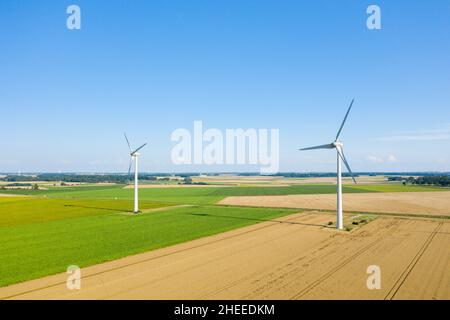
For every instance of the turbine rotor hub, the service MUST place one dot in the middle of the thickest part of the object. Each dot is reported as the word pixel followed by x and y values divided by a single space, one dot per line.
pixel 338 144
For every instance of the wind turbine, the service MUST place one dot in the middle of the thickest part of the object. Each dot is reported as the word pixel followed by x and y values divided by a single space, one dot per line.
pixel 338 145
pixel 134 156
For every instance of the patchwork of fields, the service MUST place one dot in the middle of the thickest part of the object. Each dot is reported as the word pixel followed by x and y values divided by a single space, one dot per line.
pixel 44 235
pixel 47 230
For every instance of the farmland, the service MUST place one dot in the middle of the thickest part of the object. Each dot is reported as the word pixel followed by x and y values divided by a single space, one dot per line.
pixel 44 235
pixel 286 258
pixel 210 195
pixel 44 231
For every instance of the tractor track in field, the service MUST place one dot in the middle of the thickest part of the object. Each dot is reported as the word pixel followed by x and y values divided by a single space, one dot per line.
pixel 338 267
pixel 153 258
pixel 395 288
pixel 324 277
pixel 401 280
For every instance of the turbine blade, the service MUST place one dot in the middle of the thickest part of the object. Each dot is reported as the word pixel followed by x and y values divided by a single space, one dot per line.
pixel 324 146
pixel 345 118
pixel 129 146
pixel 129 167
pixel 139 148
pixel 341 154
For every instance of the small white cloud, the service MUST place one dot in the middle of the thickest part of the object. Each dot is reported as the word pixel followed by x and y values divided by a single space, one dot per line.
pixel 374 159
pixel 392 158
pixel 381 159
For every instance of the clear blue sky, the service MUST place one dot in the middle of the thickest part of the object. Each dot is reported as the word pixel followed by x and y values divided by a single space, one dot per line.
pixel 149 67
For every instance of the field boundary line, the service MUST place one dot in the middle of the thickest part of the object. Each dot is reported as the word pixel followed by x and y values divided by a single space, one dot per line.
pixel 328 274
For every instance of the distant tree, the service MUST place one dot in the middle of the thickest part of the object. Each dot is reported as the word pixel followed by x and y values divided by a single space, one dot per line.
pixel 187 180
pixel 443 181
pixel 35 187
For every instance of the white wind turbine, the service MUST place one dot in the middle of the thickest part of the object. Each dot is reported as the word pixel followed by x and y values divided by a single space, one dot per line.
pixel 337 144
pixel 134 156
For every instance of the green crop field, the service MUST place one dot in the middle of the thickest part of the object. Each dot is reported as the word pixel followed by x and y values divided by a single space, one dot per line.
pixel 83 225
pixel 62 191
pixel 25 210
pixel 32 250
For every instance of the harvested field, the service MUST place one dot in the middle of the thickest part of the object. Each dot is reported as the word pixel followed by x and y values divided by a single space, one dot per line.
pixel 345 180
pixel 427 203
pixel 293 257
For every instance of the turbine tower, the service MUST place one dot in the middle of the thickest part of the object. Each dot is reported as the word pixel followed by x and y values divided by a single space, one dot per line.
pixel 134 157
pixel 338 145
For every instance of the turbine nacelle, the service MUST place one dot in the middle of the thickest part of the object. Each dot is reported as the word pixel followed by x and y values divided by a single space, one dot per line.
pixel 338 144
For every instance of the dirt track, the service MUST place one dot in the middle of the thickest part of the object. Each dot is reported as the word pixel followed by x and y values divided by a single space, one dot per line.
pixel 430 203
pixel 291 258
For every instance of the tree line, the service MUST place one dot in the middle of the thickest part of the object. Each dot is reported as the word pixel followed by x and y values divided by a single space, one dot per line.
pixel 442 181
pixel 80 178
